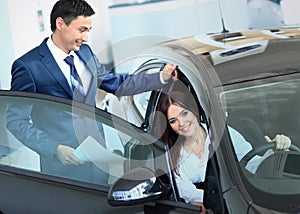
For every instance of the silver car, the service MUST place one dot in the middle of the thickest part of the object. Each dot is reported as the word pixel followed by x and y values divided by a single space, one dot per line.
pixel 247 81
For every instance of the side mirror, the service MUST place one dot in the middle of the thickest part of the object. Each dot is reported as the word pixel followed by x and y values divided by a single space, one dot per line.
pixel 138 186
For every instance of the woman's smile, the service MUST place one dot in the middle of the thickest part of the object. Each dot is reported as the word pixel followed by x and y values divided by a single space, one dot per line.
pixel 181 120
pixel 185 127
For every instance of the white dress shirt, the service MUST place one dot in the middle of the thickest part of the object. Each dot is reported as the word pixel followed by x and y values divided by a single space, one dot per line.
pixel 59 57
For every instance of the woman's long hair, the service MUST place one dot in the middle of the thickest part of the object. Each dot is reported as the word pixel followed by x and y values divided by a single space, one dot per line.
pixel 168 135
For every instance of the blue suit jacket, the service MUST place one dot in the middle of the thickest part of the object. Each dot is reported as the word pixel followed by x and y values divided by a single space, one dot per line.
pixel 37 71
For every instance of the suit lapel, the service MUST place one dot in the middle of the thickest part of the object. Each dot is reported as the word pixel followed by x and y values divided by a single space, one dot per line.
pixel 53 68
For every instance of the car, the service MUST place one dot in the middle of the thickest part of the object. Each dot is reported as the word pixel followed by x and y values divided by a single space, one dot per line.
pixel 246 80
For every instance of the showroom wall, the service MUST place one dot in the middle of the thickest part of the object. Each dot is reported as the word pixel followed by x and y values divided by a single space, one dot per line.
pixel 22 29
pixel 119 32
pixel 138 26
pixel 26 23
pixel 6 53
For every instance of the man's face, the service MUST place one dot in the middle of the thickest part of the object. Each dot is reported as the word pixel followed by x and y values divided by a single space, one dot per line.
pixel 72 36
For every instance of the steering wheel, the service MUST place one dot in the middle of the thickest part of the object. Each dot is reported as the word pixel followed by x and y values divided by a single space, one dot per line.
pixel 261 148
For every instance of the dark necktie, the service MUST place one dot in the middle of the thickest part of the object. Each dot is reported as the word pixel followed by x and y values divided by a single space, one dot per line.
pixel 77 87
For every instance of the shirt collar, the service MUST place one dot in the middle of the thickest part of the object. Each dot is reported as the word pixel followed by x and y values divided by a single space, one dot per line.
pixel 57 52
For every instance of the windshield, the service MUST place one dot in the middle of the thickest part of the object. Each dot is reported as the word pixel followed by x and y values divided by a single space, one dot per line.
pixel 265 107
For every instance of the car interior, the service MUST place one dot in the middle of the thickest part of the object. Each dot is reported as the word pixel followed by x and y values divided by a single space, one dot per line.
pixel 257 108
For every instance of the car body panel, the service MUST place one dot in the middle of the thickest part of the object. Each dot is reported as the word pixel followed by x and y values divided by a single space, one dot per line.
pixel 21 193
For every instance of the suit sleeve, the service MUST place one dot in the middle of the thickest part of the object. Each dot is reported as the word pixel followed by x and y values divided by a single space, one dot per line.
pixel 21 79
pixel 18 119
pixel 126 84
pixel 18 122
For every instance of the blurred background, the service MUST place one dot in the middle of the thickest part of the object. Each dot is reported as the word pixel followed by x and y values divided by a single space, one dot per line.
pixel 123 28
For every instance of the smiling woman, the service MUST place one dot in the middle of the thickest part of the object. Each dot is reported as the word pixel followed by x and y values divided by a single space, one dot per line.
pixel 188 141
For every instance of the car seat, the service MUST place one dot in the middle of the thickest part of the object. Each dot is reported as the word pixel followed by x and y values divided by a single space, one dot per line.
pixel 247 127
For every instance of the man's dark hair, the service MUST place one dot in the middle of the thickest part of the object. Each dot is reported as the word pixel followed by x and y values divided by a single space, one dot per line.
pixel 69 10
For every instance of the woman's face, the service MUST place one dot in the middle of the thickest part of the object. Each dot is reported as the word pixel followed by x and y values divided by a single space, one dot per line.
pixel 182 121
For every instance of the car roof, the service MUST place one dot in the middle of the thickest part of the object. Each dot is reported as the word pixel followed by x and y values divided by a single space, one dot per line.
pixel 245 55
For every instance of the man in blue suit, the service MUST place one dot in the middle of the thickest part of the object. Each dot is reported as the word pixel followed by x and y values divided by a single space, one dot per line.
pixel 44 70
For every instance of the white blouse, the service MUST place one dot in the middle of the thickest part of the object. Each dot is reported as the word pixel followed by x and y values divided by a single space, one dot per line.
pixel 192 170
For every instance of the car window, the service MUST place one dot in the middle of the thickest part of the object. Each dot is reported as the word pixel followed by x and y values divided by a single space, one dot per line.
pixel 141 102
pixel 133 108
pixel 265 107
pixel 32 126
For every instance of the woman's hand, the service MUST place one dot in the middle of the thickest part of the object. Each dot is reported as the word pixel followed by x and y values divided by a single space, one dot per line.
pixel 282 142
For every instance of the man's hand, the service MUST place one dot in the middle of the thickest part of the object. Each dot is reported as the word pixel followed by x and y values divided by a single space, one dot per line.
pixel 203 209
pixel 66 156
pixel 169 72
pixel 282 142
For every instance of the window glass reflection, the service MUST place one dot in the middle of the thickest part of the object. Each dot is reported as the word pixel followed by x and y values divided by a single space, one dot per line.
pixel 33 129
